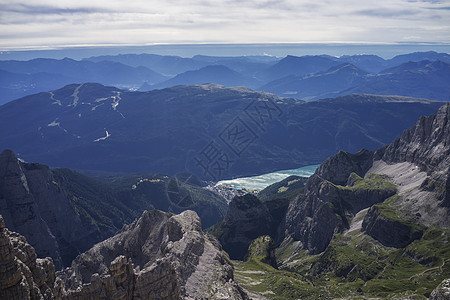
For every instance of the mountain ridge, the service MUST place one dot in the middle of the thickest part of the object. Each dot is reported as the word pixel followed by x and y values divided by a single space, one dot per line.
pixel 75 126
pixel 134 71
pixel 183 264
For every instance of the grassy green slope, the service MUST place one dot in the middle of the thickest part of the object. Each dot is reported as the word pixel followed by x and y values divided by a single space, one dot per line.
pixel 354 265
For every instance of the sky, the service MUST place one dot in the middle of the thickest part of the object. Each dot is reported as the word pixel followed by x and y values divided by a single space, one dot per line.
pixel 49 24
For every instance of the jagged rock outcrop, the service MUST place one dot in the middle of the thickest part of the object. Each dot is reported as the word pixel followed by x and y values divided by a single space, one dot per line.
pixel 427 145
pixel 262 249
pixel 326 207
pixel 310 219
pixel 20 209
pixel 338 168
pixel 22 274
pixel 159 256
pixel 33 204
pixel 248 218
pixel 416 166
pixel 442 291
pixel 389 230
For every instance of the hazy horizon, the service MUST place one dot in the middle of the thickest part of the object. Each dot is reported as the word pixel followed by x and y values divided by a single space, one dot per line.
pixel 385 51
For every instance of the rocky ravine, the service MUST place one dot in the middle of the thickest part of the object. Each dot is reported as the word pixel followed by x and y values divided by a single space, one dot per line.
pixel 158 256
pixel 247 219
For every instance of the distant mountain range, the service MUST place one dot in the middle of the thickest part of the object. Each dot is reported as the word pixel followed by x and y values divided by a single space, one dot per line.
pixel 21 78
pixel 209 130
pixel 305 77
pixel 318 85
pixel 218 74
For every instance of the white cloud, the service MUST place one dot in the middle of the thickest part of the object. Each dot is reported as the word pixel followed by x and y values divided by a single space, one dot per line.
pixel 25 23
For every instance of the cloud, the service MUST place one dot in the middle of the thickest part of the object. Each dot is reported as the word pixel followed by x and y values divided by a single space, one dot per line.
pixel 386 13
pixel 26 23
pixel 29 9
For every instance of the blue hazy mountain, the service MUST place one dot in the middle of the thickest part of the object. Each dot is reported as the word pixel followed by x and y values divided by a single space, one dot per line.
pixel 369 63
pixel 246 65
pixel 422 79
pixel 298 66
pixel 418 56
pixel 174 65
pixel 16 85
pixel 29 76
pixel 375 64
pixel 317 85
pixel 164 64
pixel 132 71
pixel 217 74
pixel 90 126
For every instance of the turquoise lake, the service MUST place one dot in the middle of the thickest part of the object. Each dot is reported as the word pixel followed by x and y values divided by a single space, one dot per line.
pixel 262 181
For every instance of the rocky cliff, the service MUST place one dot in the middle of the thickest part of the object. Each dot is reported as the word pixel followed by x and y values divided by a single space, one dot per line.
pixel 159 256
pixel 248 218
pixel 389 230
pixel 442 291
pixel 414 167
pixel 426 145
pixel 33 204
pixel 23 275
pixel 328 207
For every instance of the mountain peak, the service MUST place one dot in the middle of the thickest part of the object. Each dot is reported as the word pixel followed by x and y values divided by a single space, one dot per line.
pixel 8 153
pixel 174 259
pixel 426 144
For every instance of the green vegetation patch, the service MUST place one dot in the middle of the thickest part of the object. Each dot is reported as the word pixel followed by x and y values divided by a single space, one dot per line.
pixel 387 210
pixel 262 249
pixel 372 182
pixel 287 188
pixel 354 266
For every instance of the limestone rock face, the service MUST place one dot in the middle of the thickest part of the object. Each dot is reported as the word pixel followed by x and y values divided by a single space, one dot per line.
pixel 426 144
pixel 63 213
pixel 33 204
pixel 248 218
pixel 338 168
pixel 159 256
pixel 20 209
pixel 325 208
pixel 417 164
pixel 310 219
pixel 442 291
pixel 22 275
pixel 388 231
